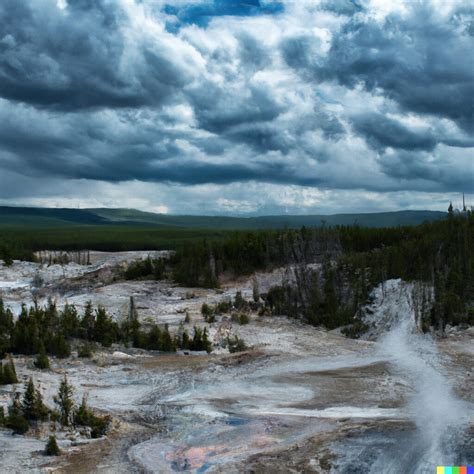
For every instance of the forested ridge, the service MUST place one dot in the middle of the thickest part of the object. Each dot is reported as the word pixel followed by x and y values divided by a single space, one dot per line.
pixel 352 261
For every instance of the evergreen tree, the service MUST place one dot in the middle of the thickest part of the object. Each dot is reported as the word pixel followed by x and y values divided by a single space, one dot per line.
pixel 41 409
pixel 6 329
pixel 255 290
pixel 42 360
pixel 9 372
pixel 84 416
pixel 59 346
pixel 28 404
pixel 88 322
pixel 65 402
pixel 33 407
pixel 52 448
pixel 16 421
pixel 105 330
pixel 70 321
pixel 85 350
pixel 154 338
pixel 166 341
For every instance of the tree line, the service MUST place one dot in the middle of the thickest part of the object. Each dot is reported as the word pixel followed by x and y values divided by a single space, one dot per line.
pixel 352 260
pixel 46 330
pixel 439 254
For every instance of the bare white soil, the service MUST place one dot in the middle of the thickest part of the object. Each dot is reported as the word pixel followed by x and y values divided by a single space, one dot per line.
pixel 218 412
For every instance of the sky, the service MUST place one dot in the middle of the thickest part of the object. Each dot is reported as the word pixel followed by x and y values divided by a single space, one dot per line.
pixel 248 107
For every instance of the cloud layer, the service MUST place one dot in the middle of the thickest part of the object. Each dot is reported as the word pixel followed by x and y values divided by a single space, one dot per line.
pixel 220 101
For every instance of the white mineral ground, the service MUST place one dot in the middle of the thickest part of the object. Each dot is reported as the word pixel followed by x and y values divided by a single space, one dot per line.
pixel 301 399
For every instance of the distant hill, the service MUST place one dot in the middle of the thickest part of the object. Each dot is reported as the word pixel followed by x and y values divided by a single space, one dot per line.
pixel 55 217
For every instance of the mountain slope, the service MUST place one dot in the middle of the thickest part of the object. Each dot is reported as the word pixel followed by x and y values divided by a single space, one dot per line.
pixel 56 217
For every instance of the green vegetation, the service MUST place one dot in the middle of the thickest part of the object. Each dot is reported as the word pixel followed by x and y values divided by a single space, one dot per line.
pixel 16 420
pixel 235 344
pixel 65 402
pixel 354 260
pixel 42 360
pixel 440 254
pixel 146 268
pixel 29 410
pixel 56 217
pixel 8 372
pixel 47 331
pixel 26 230
pixel 84 416
pixel 33 407
pixel 19 242
pixel 52 448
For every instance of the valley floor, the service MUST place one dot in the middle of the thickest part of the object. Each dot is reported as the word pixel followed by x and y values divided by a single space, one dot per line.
pixel 301 399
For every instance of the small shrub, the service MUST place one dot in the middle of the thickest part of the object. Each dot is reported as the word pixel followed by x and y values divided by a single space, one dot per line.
pixel 239 302
pixel 17 422
pixel 244 319
pixel 85 350
pixel 240 318
pixel 42 361
pixel 85 416
pixel 235 344
pixel 208 313
pixel 224 307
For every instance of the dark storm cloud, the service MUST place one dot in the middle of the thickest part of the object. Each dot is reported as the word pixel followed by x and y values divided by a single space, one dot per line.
pixel 218 109
pixel 342 7
pixel 73 59
pixel 300 52
pixel 381 132
pixel 106 90
pixel 421 62
pixel 407 165
pixel 253 55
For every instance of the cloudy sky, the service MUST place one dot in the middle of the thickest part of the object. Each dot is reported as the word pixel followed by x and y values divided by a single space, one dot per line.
pixel 237 107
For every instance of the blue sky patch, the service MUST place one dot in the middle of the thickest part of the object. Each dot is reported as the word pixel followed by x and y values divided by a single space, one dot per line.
pixel 202 13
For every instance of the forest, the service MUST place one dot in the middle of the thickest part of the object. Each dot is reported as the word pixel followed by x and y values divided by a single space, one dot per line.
pixel 352 260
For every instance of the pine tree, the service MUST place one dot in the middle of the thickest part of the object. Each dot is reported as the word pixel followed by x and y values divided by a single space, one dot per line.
pixel 9 372
pixel 65 401
pixel 28 403
pixel 6 329
pixel 60 346
pixel 42 360
pixel 52 448
pixel 85 416
pixel 32 405
pixel 41 410
pixel 154 338
pixel 166 341
pixel 16 421
pixel 255 290
pixel 88 322
pixel 82 414
pixel 206 344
